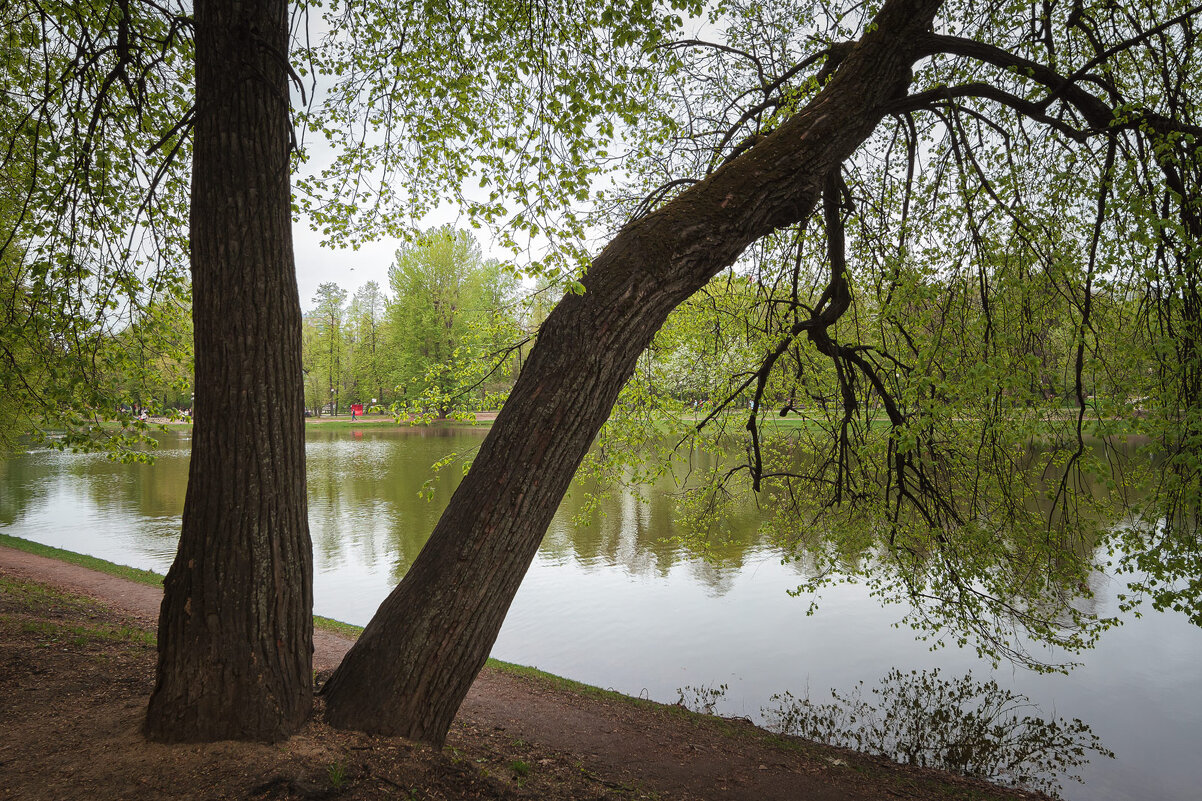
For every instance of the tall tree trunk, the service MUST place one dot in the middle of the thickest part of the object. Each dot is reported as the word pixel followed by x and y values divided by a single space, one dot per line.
pixel 236 628
pixel 414 663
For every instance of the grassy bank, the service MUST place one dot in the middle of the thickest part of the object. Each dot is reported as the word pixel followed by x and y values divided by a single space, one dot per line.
pixel 152 579
pixel 345 424
pixel 147 577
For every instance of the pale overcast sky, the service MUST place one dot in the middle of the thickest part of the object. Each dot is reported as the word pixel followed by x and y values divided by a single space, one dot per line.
pixel 350 269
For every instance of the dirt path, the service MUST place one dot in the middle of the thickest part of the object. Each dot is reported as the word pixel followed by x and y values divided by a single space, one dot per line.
pixel 618 743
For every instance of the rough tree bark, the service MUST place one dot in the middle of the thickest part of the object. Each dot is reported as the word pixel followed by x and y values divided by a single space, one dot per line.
pixel 236 629
pixel 413 665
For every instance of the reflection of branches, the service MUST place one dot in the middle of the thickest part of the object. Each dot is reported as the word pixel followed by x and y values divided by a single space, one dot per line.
pixel 1084 325
pixel 972 728
pixel 995 618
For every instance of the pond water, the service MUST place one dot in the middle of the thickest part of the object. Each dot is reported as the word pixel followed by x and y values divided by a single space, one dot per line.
pixel 617 605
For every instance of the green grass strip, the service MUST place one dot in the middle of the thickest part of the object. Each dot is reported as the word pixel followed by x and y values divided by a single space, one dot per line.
pixel 152 579
pixel 337 627
pixel 344 424
pixel 82 635
pixel 147 577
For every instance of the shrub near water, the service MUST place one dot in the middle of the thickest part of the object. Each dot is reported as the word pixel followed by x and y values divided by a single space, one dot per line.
pixel 962 725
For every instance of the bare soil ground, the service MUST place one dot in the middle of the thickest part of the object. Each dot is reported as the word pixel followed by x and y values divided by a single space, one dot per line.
pixel 76 670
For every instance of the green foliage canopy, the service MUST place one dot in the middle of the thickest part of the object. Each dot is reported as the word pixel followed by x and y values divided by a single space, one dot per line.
pixel 506 110
pixel 95 109
pixel 1011 257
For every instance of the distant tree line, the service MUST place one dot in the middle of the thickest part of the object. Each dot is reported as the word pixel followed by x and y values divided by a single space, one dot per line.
pixel 448 336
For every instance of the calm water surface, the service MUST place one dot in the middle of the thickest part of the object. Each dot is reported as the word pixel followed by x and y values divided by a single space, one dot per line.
pixel 613 604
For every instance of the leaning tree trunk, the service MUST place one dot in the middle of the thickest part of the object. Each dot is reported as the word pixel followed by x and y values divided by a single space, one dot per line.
pixel 236 627
pixel 415 661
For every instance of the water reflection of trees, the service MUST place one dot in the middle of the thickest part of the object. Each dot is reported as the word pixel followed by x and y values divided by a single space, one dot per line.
pixel 24 480
pixel 631 519
pixel 154 491
pixel 962 725
pixel 999 578
pixel 375 492
pixel 149 490
pixel 1003 562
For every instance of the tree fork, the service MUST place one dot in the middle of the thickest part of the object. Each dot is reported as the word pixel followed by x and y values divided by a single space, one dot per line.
pixel 235 633
pixel 411 668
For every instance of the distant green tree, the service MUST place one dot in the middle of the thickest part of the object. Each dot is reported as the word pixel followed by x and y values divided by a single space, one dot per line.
pixel 330 341
pixel 448 323
pixel 365 319
pixel 315 389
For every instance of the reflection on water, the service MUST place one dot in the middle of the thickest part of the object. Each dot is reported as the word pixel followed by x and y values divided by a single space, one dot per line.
pixel 86 500
pixel 618 603
pixel 962 725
